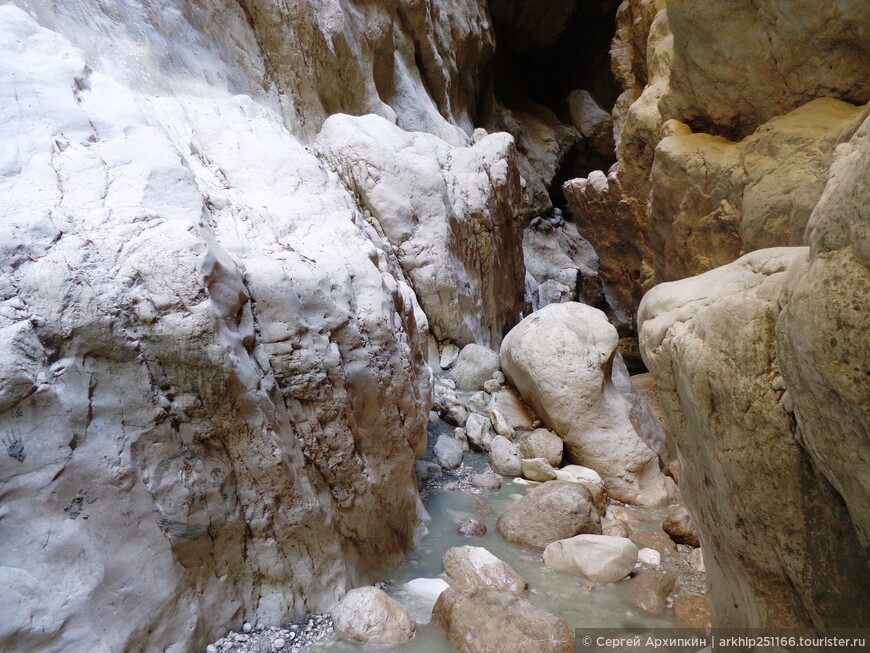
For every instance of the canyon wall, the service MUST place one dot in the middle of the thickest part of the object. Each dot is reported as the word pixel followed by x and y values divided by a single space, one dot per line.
pixel 742 155
pixel 213 383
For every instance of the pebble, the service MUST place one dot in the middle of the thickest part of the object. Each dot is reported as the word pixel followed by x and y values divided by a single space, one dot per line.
pixel 290 637
pixel 247 628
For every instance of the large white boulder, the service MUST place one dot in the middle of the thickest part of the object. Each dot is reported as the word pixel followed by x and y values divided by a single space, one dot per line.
pixel 563 361
pixel 599 557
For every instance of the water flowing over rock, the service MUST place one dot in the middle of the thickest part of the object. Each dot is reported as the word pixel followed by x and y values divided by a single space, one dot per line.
pixel 563 361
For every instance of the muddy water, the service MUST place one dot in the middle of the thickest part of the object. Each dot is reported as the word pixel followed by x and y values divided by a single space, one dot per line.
pixel 581 602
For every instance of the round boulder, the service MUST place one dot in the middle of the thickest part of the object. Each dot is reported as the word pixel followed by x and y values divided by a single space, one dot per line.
pixel 366 615
pixel 649 590
pixel 472 528
pixel 597 557
pixel 680 527
pixel 563 361
pixel 486 619
pixel 542 443
pixel 448 452
pixel 504 457
pixel 474 366
pixel 552 511
pixel 486 481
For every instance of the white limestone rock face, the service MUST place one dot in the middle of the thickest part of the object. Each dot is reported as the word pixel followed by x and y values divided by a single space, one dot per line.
pixel 718 345
pixel 212 368
pixel 563 361
pixel 451 214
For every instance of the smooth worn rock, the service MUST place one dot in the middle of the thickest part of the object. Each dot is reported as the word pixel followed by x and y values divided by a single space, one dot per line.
pixel 491 386
pixel 649 590
pixel 680 527
pixel 478 430
pixel 472 528
pixel 615 528
pixel 560 264
pixel 562 360
pixel 461 436
pixel 448 452
pixel 537 469
pixel 426 469
pixel 766 187
pixel 367 615
pixel 473 566
pixel 593 122
pixel 649 556
pixel 500 424
pixel 542 443
pixel 504 457
pixel 517 414
pixel 552 511
pixel 479 620
pixel 486 481
pixel 597 557
pixel 729 412
pixel 578 474
pixel 474 367
pixel 696 559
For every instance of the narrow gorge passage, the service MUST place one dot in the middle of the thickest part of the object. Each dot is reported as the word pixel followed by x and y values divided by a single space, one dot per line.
pixel 431 326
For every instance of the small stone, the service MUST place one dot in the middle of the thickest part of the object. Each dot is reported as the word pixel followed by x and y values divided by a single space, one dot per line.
pixel 486 481
pixel 291 635
pixel 543 443
pixel 461 436
pixel 246 628
pixel 472 528
pixel 504 457
pixel 500 424
pixel 449 354
pixel 278 644
pixel 478 430
pixel 498 375
pixel 537 469
pixel 492 386
pixel 241 638
pixel 655 540
pixel 696 559
pixel 211 648
pixel 649 557
pixel 479 402
pixel 577 473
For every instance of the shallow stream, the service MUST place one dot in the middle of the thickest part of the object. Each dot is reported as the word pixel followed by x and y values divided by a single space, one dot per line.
pixel 449 501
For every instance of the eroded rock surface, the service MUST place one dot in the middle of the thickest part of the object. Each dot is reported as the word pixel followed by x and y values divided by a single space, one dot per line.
pixel 563 361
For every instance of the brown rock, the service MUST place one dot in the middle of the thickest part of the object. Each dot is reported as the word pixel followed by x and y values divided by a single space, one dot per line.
pixel 486 481
pixel 474 566
pixel 483 620
pixel 680 527
pixel 650 589
pixel 542 443
pixel 654 540
pixel 472 528
pixel 615 528
pixel 553 511
pixel 692 611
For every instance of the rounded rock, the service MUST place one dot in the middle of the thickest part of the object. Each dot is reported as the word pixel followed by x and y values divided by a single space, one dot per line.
pixel 246 628
pixel 597 557
pixel 486 481
pixel 537 469
pixel 367 615
pixel 504 457
pixel 472 528
pixel 542 443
